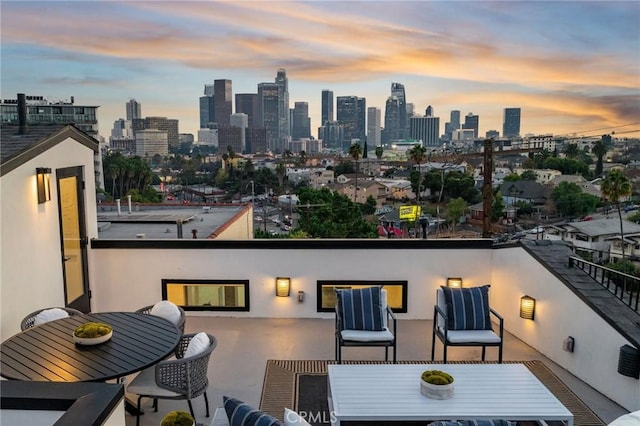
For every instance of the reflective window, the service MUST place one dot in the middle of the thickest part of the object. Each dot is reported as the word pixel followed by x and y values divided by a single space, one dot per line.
pixel 207 295
pixel 396 293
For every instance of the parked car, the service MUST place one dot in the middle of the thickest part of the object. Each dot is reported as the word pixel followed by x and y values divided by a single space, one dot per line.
pixel 586 218
pixel 631 207
pixel 538 229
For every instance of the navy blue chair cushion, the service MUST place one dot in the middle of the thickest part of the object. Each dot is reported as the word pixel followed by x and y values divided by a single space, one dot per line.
pixel 467 308
pixel 242 414
pixel 361 309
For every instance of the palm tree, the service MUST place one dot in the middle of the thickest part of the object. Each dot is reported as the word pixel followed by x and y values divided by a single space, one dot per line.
pixel 417 154
pixel 379 152
pixel 599 150
pixel 616 186
pixel 355 151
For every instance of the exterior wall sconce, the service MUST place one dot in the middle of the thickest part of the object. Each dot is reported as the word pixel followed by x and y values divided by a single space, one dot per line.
pixel 301 296
pixel 43 180
pixel 283 286
pixel 629 361
pixel 454 282
pixel 527 307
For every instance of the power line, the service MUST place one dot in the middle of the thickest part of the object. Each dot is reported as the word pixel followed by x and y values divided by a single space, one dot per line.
pixel 598 129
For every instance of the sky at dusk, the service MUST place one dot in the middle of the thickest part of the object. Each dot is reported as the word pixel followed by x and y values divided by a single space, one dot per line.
pixel 573 66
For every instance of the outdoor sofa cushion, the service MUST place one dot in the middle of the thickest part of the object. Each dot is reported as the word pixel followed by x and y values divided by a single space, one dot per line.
pixel 367 335
pixel 473 336
pixel 467 308
pixel 242 414
pixel 291 418
pixel 361 308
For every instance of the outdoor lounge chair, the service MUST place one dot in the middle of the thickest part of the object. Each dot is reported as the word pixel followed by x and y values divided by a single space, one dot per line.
pixel 361 322
pixel 461 317
pixel 184 377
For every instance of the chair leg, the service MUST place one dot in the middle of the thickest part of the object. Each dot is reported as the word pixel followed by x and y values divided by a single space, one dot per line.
pixel 191 408
pixel 484 350
pixel 500 353
pixel 386 354
pixel 433 345
pixel 339 354
pixel 138 413
pixel 395 349
pixel 444 357
pixel 206 403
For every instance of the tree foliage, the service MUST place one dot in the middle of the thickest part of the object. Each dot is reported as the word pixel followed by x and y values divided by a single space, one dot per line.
pixel 529 175
pixel 567 166
pixel 332 215
pixel 459 184
pixel 455 209
pixel 124 174
pixel 570 200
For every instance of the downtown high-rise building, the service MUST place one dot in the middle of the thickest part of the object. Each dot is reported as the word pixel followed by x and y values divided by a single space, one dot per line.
pixel 397 90
pixel 511 122
pixel 327 107
pixel 134 109
pixel 426 129
pixel 207 107
pixel 300 123
pixel 351 114
pixel 374 124
pixel 223 101
pixel 283 108
pixel 391 120
pixel 472 121
pixel 268 105
pixel 331 134
pixel 452 125
pixel 168 125
pixel 247 103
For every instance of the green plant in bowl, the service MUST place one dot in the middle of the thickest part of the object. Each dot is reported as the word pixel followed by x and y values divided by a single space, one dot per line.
pixel 437 377
pixel 91 330
pixel 177 418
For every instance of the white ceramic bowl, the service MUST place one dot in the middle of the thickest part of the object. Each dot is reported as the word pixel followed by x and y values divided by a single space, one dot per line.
pixel 88 341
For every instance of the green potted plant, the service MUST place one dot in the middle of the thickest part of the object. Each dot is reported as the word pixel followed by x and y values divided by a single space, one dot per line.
pixel 177 418
pixel 92 333
pixel 436 384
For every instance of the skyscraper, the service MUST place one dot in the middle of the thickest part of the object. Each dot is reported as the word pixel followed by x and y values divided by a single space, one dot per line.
pixel 168 125
pixel 452 125
pixel 134 109
pixel 511 122
pixel 247 103
pixel 327 106
pixel 283 106
pixel 268 104
pixel 223 100
pixel 391 120
pixel 397 90
pixel 373 127
pixel 472 122
pixel 207 107
pixel 426 129
pixel 351 114
pixel 301 126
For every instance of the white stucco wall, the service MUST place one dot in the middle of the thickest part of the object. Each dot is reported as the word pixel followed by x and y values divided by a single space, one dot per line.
pixel 30 257
pixel 126 279
pixel 560 313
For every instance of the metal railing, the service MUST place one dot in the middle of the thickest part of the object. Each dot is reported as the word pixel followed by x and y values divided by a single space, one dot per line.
pixel 624 286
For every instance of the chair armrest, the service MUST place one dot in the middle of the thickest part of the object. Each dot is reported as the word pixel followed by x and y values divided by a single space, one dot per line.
pixel 172 375
pixel 437 310
pixel 339 326
pixel 500 320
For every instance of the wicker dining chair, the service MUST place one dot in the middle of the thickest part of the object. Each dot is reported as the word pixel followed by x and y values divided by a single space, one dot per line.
pixel 179 323
pixel 179 378
pixel 29 320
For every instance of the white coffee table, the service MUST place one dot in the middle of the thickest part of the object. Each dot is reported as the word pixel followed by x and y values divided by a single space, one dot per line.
pixel 482 391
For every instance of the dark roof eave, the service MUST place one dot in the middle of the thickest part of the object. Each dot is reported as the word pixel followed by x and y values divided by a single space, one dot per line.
pixel 46 143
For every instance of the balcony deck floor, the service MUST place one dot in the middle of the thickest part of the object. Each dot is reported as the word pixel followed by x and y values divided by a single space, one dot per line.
pixel 237 365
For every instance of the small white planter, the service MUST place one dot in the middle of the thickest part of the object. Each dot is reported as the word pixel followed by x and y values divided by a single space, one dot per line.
pixel 90 341
pixel 436 391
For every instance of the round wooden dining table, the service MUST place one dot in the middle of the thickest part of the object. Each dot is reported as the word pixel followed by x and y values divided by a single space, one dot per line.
pixel 47 352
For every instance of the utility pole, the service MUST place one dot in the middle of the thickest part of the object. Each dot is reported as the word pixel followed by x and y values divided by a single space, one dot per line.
pixel 487 193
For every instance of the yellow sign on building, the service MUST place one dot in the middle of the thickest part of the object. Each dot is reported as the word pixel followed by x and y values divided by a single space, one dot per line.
pixel 410 212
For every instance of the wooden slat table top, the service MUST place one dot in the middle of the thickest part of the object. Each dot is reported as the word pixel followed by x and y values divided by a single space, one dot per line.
pixel 47 352
pixel 482 391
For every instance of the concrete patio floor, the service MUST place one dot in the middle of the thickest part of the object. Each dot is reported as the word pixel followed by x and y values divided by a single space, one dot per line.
pixel 237 365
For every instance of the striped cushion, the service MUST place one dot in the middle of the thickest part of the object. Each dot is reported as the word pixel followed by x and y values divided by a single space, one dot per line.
pixel 361 309
pixel 468 308
pixel 242 414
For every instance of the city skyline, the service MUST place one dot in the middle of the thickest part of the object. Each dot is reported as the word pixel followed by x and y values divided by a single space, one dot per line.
pixel 572 67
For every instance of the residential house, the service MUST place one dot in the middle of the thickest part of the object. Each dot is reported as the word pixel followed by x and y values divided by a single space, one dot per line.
pixel 586 186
